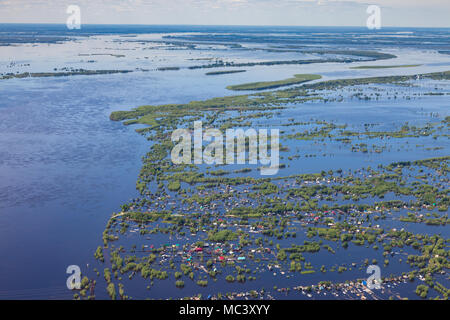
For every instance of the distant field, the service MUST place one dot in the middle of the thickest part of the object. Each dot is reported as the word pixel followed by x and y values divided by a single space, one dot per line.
pixel 214 73
pixel 59 74
pixel 298 78
pixel 387 67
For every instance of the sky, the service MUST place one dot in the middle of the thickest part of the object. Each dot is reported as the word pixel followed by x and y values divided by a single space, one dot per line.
pixel 397 13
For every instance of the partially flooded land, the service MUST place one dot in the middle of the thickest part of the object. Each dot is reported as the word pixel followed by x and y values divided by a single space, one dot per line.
pixel 221 233
pixel 363 166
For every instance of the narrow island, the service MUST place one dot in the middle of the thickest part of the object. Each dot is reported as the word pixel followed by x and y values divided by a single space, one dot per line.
pixel 298 78
pixel 387 67
pixel 215 73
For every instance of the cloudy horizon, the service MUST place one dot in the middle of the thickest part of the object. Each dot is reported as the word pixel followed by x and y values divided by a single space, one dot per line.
pixel 396 13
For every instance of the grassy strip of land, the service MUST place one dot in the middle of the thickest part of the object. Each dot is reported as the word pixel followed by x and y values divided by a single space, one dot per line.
pixel 168 69
pixel 60 74
pixel 387 67
pixel 298 78
pixel 214 73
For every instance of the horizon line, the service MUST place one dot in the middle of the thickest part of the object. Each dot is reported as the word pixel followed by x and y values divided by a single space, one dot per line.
pixel 217 25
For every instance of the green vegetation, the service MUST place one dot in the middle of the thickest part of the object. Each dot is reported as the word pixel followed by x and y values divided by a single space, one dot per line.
pixel 387 67
pixel 214 73
pixel 298 78
pixel 422 291
pixel 168 69
pixel 111 289
pixel 222 235
pixel 60 74
pixel 174 186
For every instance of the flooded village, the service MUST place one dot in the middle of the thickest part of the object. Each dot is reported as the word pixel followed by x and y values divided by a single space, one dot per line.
pixel 213 230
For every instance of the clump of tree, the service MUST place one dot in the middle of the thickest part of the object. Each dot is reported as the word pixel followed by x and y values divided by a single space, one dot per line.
pixel 222 236
pixel 422 291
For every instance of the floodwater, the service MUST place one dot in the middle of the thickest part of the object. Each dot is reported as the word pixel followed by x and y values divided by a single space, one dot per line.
pixel 65 167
